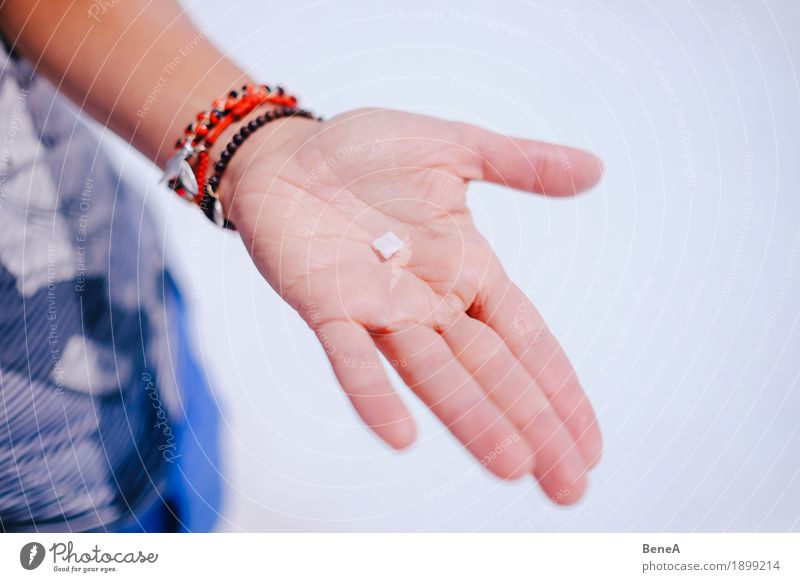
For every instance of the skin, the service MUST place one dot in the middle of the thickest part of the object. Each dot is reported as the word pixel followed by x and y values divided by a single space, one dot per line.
pixel 308 199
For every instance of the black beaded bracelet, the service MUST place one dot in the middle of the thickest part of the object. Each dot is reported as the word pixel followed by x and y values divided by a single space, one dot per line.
pixel 210 204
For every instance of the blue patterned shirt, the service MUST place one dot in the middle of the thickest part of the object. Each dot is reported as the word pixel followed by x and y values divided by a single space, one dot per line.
pixel 87 395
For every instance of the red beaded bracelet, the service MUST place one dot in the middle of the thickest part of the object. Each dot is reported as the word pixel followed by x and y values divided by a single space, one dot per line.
pixel 179 174
pixel 186 171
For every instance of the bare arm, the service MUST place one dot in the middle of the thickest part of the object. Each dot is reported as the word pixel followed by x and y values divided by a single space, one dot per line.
pixel 141 67
pixel 462 336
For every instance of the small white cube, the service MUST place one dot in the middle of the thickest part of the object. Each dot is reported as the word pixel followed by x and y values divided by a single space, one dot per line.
pixel 387 244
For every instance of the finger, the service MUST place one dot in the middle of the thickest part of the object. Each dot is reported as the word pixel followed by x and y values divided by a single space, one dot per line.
pixel 457 400
pixel 560 467
pixel 507 310
pixel 531 166
pixel 360 372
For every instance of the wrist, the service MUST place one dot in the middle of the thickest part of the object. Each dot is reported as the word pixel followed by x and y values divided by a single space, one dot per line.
pixel 187 171
pixel 264 144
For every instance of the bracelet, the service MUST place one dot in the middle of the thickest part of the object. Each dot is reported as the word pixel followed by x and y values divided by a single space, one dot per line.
pixel 185 171
pixel 210 203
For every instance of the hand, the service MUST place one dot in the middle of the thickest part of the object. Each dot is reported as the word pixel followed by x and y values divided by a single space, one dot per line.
pixel 309 198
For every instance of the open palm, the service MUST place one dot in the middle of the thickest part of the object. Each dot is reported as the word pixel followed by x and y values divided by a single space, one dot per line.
pixel 309 200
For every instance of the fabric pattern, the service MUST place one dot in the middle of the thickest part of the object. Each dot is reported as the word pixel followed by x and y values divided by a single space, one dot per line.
pixel 87 391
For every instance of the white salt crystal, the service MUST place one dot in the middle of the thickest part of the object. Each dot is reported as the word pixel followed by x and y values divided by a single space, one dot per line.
pixel 387 244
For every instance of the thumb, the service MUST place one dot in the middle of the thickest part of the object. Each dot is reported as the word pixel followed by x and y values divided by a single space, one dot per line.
pixel 528 165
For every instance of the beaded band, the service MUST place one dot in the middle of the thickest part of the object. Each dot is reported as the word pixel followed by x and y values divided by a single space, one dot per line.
pixel 210 202
pixel 185 172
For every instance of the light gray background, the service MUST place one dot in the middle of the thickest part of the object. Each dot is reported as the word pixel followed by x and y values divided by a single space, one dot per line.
pixel 674 285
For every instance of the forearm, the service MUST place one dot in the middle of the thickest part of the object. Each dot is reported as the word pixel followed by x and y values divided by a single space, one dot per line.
pixel 142 68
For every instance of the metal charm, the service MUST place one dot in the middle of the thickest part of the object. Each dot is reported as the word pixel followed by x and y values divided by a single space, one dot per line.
pixel 188 179
pixel 173 167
